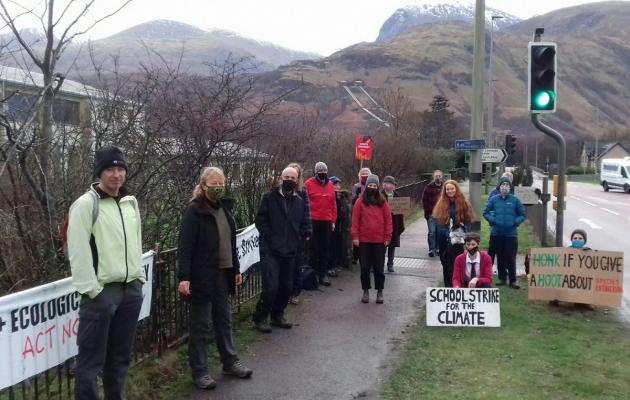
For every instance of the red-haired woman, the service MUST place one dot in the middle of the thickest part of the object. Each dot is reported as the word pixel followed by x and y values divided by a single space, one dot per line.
pixel 454 216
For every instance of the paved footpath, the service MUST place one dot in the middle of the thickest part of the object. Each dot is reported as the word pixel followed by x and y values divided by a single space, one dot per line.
pixel 339 348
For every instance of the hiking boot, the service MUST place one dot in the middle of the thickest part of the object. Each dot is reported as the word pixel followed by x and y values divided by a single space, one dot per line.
pixel 262 326
pixel 238 370
pixel 379 297
pixel 205 382
pixel 366 296
pixel 431 254
pixel 295 300
pixel 281 323
pixel 324 281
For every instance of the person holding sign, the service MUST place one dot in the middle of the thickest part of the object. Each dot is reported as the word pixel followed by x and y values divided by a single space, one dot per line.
pixel 372 232
pixel 505 213
pixel 208 273
pixel 473 269
pixel 454 215
pixel 398 221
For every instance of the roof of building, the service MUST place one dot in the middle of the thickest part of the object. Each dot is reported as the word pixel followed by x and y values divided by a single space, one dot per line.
pixel 31 79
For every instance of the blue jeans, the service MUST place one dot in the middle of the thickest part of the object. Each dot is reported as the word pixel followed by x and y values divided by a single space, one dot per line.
pixel 431 237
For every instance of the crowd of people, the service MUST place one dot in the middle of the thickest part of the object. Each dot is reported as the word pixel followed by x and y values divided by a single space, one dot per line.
pixel 307 228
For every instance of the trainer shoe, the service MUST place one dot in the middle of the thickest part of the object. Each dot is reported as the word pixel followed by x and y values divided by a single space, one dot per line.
pixel 324 281
pixel 238 370
pixel 205 382
pixel 366 296
pixel 379 297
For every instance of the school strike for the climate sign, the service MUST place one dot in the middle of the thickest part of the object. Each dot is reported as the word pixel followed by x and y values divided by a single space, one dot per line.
pixel 463 307
pixel 575 275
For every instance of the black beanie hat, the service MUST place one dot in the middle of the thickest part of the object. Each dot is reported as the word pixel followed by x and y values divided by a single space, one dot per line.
pixel 108 156
pixel 580 232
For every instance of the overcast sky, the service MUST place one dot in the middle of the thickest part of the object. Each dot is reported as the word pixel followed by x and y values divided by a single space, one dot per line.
pixel 321 26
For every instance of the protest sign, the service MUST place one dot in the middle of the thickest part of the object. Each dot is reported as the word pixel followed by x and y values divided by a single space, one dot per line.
pixel 363 147
pixel 247 247
pixel 400 205
pixel 463 307
pixel 39 326
pixel 576 275
pixel 526 194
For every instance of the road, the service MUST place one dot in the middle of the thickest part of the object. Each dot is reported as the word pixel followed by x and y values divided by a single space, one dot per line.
pixel 605 216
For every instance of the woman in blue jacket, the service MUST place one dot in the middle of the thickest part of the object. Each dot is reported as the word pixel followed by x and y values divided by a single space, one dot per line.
pixel 505 213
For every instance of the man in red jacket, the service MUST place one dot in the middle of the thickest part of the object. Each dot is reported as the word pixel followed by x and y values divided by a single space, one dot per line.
pixel 473 268
pixel 322 198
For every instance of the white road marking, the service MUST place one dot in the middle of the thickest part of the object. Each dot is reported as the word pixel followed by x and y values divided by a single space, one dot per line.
pixel 576 198
pixel 590 223
pixel 610 211
pixel 590 204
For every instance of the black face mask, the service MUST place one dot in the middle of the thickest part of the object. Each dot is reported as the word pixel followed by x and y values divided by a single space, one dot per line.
pixel 372 192
pixel 322 177
pixel 288 186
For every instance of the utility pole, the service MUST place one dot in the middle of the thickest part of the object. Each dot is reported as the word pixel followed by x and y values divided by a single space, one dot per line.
pixel 477 110
pixel 490 125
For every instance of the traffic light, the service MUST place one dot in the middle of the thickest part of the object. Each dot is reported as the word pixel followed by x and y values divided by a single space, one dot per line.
pixel 510 144
pixel 542 77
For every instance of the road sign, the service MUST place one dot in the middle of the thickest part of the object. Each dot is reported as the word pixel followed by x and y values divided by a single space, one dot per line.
pixel 493 155
pixel 470 144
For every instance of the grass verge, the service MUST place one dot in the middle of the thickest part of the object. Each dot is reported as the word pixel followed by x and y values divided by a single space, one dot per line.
pixel 169 377
pixel 540 352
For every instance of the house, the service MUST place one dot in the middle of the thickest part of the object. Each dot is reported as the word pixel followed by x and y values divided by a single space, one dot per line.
pixel 591 157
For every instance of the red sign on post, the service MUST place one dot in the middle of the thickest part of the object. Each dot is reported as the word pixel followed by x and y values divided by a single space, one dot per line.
pixel 363 147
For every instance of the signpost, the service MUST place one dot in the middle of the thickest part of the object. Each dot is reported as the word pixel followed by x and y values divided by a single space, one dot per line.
pixel 470 144
pixel 493 155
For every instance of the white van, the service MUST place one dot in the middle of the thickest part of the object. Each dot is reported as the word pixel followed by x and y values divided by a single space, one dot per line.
pixel 615 174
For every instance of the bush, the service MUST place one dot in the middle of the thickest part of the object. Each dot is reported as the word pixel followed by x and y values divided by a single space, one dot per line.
pixel 578 170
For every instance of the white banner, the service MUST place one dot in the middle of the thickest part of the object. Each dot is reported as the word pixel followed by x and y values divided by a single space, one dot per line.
pixel 463 307
pixel 39 326
pixel 247 247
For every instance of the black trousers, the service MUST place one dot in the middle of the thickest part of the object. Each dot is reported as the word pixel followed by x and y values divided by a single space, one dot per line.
pixel 298 276
pixel 372 258
pixel 506 248
pixel 107 331
pixel 217 309
pixel 391 250
pixel 447 258
pixel 320 246
pixel 277 286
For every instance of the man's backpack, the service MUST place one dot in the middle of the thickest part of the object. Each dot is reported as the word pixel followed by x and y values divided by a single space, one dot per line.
pixel 64 228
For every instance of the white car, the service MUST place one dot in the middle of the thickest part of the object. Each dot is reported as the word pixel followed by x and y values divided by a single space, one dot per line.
pixel 615 174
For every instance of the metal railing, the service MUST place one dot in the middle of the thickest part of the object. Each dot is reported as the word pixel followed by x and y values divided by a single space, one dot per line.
pixel 167 327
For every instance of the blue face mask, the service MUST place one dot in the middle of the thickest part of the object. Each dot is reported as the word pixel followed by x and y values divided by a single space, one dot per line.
pixel 577 244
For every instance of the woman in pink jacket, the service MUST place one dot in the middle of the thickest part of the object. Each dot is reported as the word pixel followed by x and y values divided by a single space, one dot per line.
pixel 473 268
pixel 372 232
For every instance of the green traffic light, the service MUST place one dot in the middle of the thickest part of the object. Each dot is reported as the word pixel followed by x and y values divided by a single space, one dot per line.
pixel 544 99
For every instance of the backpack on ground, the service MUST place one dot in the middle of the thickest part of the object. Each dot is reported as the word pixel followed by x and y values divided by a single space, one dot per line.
pixel 309 279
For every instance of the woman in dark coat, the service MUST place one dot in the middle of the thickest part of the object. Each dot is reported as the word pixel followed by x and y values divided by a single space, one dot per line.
pixel 398 221
pixel 208 272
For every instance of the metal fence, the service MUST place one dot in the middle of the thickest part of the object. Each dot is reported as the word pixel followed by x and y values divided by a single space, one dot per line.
pixel 167 327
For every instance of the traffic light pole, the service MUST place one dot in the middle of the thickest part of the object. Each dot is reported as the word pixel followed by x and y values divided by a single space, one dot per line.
pixel 562 160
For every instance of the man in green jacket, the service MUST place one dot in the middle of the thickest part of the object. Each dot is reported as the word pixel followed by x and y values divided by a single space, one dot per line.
pixel 105 251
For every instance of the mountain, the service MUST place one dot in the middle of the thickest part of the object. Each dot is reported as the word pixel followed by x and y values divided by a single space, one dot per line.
pixel 436 59
pixel 32 36
pixel 170 41
pixel 439 11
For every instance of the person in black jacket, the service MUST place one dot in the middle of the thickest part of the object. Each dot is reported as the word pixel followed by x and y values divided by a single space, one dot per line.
pixel 338 240
pixel 398 221
pixel 208 272
pixel 282 221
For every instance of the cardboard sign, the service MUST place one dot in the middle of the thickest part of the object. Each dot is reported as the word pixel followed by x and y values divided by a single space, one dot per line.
pixel 575 275
pixel 363 147
pixel 463 307
pixel 400 205
pixel 526 194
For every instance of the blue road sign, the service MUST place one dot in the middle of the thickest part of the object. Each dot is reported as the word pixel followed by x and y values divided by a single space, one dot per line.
pixel 470 144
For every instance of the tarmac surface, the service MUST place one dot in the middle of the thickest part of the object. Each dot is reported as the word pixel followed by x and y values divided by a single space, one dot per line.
pixel 339 348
